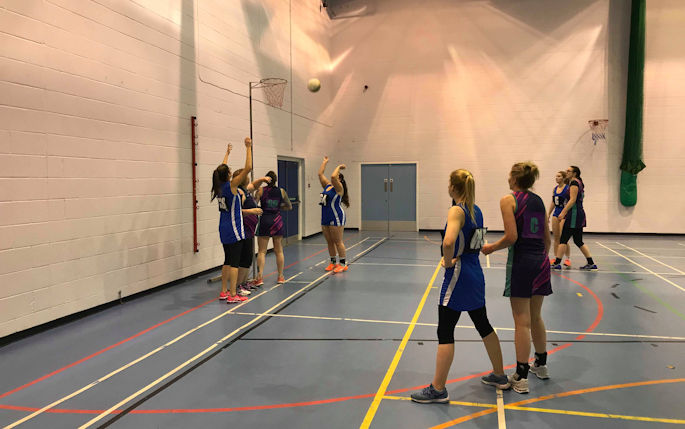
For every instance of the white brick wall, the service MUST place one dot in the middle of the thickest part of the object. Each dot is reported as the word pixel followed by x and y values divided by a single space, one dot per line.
pixel 481 85
pixel 95 105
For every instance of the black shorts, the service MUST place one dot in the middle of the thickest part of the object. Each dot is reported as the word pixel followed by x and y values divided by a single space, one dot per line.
pixel 567 233
pixel 239 254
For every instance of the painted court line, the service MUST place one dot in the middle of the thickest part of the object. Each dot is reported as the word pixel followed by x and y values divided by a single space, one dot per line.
pixel 650 257
pixel 432 325
pixel 469 417
pixel 396 359
pixel 216 344
pixel 644 268
pixel 594 273
pixel 501 421
pixel 156 350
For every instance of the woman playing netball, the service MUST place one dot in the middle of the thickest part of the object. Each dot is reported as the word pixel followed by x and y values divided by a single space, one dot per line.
pixel 272 199
pixel 231 228
pixel 574 219
pixel 463 288
pixel 559 199
pixel 332 214
pixel 526 234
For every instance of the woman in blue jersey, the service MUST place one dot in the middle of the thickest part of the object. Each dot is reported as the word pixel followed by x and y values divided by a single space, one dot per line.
pixel 463 288
pixel 231 229
pixel 272 199
pixel 251 213
pixel 333 219
pixel 559 199
pixel 574 219
pixel 526 235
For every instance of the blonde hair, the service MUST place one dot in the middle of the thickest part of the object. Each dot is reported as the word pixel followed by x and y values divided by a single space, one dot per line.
pixel 525 174
pixel 564 179
pixel 465 186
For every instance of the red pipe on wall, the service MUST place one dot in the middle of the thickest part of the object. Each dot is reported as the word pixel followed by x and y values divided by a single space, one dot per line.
pixel 193 143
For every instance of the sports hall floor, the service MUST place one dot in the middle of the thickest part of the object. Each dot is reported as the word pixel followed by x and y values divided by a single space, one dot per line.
pixel 338 351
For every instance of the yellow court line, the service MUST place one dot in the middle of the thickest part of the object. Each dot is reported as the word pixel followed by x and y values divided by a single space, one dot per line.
pixel 466 404
pixel 653 259
pixel 487 258
pixel 368 418
pixel 600 415
pixel 644 268
pixel 559 395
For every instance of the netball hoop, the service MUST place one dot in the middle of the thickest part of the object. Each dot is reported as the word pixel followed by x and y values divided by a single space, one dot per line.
pixel 598 127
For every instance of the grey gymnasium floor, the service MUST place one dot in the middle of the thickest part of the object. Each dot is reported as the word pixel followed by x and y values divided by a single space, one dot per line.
pixel 346 350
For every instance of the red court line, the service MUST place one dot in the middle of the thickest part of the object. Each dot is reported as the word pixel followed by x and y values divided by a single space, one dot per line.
pixel 598 318
pixel 46 376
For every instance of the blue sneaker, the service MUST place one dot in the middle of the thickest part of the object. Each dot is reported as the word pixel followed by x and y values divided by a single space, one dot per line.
pixel 589 267
pixel 429 395
pixel 556 267
pixel 499 381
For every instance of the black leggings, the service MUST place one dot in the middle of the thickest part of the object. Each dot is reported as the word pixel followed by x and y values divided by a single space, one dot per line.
pixel 576 233
pixel 448 318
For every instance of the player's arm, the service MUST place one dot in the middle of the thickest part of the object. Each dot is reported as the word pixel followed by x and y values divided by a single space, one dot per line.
pixel 286 204
pixel 240 178
pixel 258 183
pixel 573 196
pixel 335 180
pixel 228 152
pixel 455 222
pixel 322 178
pixel 507 205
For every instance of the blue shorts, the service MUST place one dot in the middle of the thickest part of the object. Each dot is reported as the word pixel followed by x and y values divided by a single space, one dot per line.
pixel 557 211
pixel 333 217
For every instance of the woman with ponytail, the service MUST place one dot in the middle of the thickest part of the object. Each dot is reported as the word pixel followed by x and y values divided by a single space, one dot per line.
pixel 526 235
pixel 463 288
pixel 573 216
pixel 231 229
pixel 272 199
pixel 332 214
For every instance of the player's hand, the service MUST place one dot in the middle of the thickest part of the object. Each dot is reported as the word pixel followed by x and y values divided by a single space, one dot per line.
pixel 257 211
pixel 487 249
pixel 450 264
pixel 561 216
pixel 228 148
pixel 342 167
pixel 267 179
pixel 248 142
pixel 325 159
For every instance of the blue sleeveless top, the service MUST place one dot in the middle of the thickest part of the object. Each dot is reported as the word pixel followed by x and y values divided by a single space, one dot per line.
pixel 463 287
pixel 231 227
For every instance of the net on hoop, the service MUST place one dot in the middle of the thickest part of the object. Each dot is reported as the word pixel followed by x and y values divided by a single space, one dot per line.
pixel 598 127
pixel 274 89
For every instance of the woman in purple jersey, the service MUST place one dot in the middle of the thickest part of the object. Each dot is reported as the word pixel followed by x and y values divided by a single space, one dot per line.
pixel 526 234
pixel 231 230
pixel 251 213
pixel 272 199
pixel 559 199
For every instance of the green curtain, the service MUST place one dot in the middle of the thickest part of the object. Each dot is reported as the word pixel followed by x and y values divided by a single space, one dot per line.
pixel 632 164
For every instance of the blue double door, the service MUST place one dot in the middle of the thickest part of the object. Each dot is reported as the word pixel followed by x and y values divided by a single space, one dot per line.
pixel 389 197
pixel 288 179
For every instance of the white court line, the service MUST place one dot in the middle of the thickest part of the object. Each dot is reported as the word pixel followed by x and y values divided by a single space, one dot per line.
pixel 653 259
pixel 395 265
pixel 394 322
pixel 145 356
pixel 320 262
pixel 208 349
pixel 501 421
pixel 644 268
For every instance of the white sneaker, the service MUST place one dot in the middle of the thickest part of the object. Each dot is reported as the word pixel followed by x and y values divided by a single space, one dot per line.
pixel 520 385
pixel 243 292
pixel 540 371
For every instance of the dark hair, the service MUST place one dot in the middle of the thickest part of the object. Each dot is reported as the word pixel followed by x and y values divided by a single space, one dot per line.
pixel 219 178
pixel 273 177
pixel 576 171
pixel 345 197
pixel 525 174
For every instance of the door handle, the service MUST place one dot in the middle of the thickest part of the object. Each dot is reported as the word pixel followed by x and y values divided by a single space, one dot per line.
pixel 385 185
pixel 391 180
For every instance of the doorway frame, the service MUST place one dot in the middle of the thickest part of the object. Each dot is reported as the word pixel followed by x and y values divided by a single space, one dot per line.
pixel 363 163
pixel 301 189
